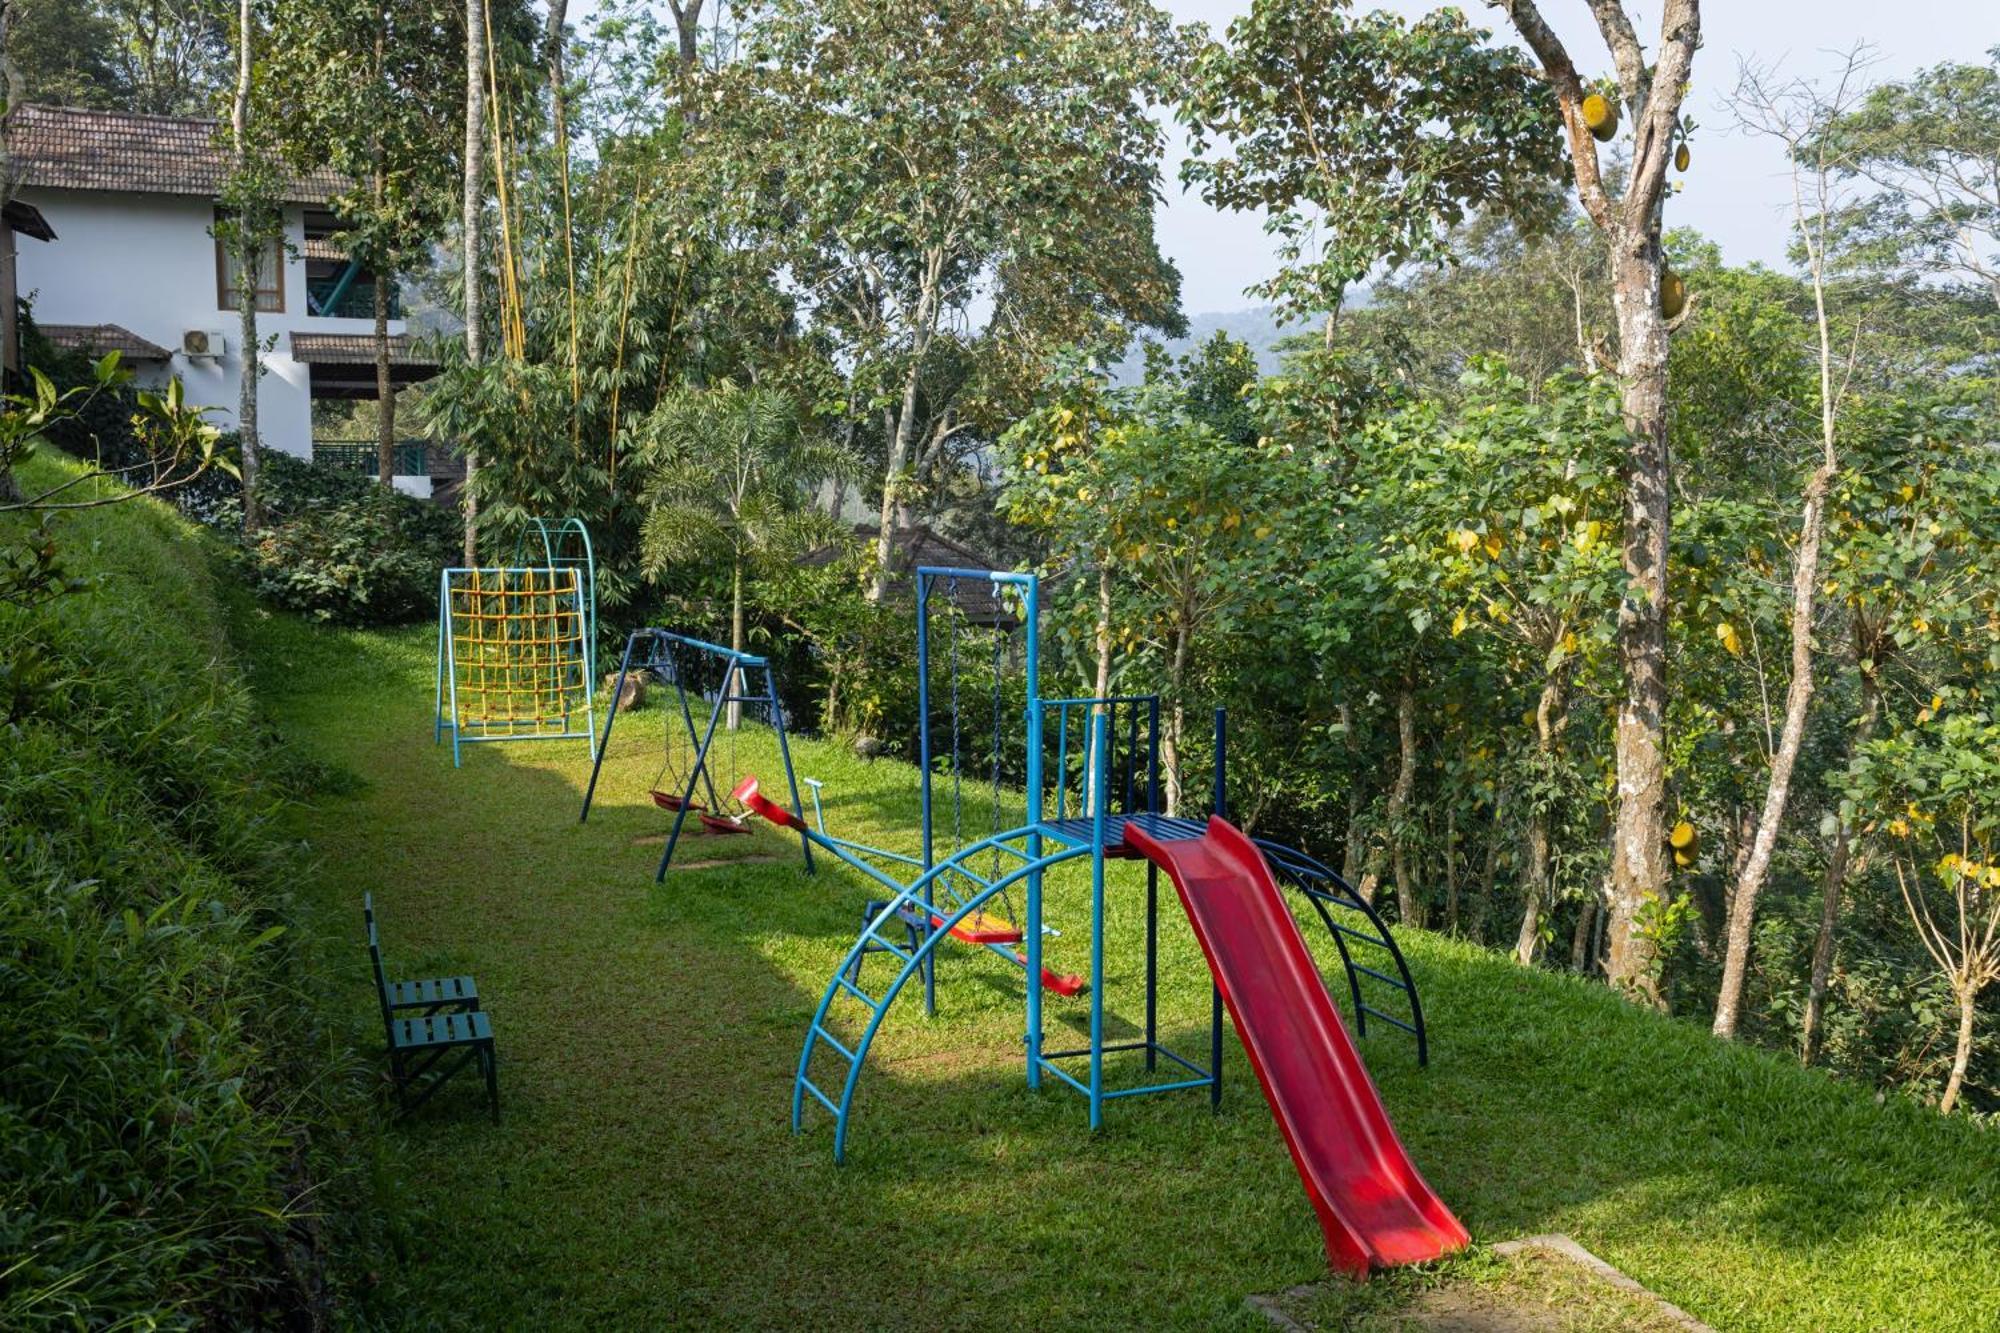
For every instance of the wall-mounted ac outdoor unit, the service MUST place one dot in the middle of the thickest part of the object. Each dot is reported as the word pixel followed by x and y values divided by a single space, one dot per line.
pixel 202 343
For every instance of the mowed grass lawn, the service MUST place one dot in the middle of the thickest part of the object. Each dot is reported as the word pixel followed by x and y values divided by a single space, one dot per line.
pixel 645 1174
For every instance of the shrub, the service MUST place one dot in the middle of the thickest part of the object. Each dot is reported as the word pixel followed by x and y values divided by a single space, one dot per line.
pixel 168 1088
pixel 338 548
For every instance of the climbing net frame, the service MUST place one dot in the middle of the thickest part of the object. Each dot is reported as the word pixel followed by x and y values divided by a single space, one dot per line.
pixel 514 656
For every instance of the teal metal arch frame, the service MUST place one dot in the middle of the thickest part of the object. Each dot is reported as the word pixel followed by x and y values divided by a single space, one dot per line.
pixel 564 543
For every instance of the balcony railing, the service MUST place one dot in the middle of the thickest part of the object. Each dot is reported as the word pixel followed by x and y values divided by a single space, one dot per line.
pixel 330 298
pixel 360 456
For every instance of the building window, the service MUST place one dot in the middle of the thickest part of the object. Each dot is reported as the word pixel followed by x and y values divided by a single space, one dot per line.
pixel 270 275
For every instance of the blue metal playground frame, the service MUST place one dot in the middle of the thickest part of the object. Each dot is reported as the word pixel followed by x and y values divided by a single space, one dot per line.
pixel 948 892
pixel 734 689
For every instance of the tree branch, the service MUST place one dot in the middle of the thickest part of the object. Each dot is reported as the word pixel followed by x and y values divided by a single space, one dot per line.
pixel 1560 71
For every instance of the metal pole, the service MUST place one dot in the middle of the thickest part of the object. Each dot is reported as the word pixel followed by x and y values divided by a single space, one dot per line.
pixel 1099 739
pixel 1030 600
pixel 1152 961
pixel 610 720
pixel 924 766
pixel 785 752
pixel 1221 801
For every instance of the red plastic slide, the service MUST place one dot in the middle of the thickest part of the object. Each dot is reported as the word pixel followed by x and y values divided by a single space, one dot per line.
pixel 1374 1207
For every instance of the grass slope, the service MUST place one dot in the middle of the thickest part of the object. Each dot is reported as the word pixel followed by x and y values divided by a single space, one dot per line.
pixel 646 1175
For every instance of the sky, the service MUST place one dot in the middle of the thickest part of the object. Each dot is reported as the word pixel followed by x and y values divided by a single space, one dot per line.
pixel 1737 192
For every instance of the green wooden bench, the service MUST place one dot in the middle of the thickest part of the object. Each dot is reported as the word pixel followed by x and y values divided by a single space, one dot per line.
pixel 432 994
pixel 426 1049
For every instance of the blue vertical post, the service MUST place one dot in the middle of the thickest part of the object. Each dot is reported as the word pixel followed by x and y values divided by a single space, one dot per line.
pixel 784 752
pixel 924 768
pixel 610 719
pixel 1030 611
pixel 1221 806
pixel 1100 731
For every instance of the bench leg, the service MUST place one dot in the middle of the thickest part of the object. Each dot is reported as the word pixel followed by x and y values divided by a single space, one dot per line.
pixel 488 1060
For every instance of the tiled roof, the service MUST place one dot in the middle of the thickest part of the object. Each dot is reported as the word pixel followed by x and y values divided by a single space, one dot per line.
pixel 920 545
pixel 70 148
pixel 356 349
pixel 102 338
pixel 324 247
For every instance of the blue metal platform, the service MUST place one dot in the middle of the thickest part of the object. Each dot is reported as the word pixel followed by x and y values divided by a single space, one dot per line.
pixel 1078 832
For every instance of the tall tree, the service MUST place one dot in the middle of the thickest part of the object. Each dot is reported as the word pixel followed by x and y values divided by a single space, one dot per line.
pixel 1629 220
pixel 471 216
pixel 1363 140
pixel 251 230
pixel 379 126
pixel 1795 114
pixel 911 159
pixel 1931 147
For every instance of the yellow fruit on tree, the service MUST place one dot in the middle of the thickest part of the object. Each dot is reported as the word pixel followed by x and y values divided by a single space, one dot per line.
pixel 1682 837
pixel 1683 859
pixel 1600 113
pixel 1673 294
pixel 1682 157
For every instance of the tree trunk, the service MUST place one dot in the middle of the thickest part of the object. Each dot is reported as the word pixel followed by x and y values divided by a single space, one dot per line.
pixel 1490 878
pixel 472 210
pixel 249 227
pixel 378 191
pixel 1968 1011
pixel 1170 745
pixel 1639 842
pixel 1579 944
pixel 1451 868
pixel 1102 687
pixel 1551 716
pixel 1798 694
pixel 687 23
pixel 891 511
pixel 1836 877
pixel 1777 792
pixel 1408 901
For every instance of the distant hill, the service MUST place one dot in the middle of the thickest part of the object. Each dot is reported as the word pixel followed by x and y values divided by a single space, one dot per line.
pixel 1257 326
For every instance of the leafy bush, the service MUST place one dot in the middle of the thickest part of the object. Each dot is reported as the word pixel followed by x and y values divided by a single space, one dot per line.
pixel 167 1089
pixel 338 548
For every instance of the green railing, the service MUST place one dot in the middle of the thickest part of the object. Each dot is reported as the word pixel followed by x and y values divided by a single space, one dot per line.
pixel 330 298
pixel 360 456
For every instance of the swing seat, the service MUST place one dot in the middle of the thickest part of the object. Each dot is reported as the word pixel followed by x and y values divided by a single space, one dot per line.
pixel 719 823
pixel 750 798
pixel 979 928
pixel 669 800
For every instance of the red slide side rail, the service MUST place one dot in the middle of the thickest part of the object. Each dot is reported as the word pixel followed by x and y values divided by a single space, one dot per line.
pixel 1374 1207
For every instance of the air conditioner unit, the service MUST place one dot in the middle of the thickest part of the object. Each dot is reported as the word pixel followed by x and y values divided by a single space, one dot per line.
pixel 202 343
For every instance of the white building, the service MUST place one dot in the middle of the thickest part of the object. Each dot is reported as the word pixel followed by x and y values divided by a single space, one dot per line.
pixel 136 267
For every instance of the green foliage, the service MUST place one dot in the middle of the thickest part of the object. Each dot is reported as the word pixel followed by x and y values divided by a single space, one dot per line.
pixel 169 1107
pixel 1930 145
pixel 337 548
pixel 1365 140
pixel 158 57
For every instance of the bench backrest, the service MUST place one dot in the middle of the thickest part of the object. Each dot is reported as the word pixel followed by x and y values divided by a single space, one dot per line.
pixel 381 979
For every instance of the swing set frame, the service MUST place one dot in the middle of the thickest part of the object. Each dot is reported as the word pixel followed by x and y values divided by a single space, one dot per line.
pixel 656 652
